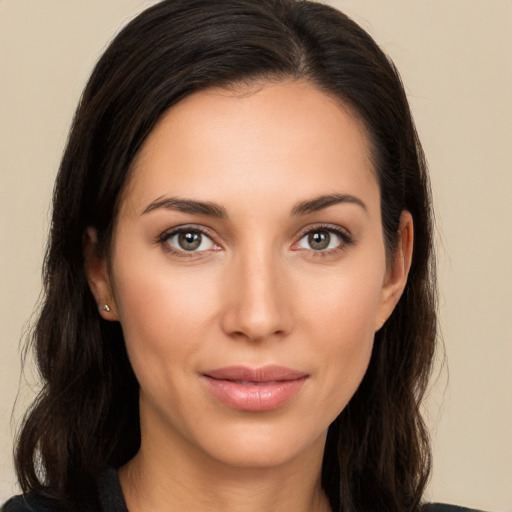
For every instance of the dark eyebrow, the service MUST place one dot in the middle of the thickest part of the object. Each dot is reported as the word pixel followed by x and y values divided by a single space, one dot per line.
pixel 187 206
pixel 216 210
pixel 321 202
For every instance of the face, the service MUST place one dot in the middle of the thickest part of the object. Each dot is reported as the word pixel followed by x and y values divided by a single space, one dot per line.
pixel 248 273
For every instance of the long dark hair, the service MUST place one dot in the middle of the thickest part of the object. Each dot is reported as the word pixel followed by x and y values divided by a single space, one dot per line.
pixel 85 418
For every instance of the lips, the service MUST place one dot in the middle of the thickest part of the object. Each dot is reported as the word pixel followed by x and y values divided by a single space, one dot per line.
pixel 254 389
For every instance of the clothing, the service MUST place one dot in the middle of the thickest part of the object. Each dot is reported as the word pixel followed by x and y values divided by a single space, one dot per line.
pixel 109 493
pixel 112 500
pixel 441 507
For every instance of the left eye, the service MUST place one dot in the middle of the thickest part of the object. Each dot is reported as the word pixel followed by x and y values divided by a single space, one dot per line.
pixel 321 240
pixel 190 240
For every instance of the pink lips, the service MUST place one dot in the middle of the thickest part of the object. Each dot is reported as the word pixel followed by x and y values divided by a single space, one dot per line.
pixel 254 389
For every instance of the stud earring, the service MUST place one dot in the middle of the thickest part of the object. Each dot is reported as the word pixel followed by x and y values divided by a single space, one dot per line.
pixel 106 308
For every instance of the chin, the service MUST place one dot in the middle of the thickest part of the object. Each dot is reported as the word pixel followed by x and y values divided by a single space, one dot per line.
pixel 264 446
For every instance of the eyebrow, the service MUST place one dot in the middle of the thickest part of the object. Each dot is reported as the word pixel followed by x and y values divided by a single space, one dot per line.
pixel 188 206
pixel 321 202
pixel 215 210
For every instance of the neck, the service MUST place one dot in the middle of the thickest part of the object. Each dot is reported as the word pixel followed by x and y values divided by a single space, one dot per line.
pixel 164 478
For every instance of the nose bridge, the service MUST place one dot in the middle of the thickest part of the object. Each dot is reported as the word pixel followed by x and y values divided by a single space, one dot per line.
pixel 257 308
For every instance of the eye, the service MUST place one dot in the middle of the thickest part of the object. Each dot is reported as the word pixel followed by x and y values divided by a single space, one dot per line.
pixel 188 240
pixel 323 240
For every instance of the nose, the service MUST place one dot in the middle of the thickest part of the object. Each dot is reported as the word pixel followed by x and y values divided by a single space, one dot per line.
pixel 258 302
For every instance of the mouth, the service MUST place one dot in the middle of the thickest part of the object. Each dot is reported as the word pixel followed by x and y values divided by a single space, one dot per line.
pixel 254 389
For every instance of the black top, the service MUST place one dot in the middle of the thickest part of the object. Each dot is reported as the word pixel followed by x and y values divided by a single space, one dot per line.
pixel 111 500
pixel 110 497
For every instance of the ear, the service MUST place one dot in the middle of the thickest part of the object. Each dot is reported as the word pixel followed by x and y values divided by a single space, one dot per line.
pixel 397 271
pixel 96 271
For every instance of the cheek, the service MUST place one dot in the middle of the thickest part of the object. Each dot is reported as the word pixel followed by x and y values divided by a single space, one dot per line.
pixel 162 314
pixel 342 318
pixel 153 296
pixel 346 302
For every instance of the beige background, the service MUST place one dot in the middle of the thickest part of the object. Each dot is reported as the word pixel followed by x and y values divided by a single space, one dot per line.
pixel 456 61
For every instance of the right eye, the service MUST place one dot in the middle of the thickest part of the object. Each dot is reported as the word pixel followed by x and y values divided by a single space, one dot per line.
pixel 188 240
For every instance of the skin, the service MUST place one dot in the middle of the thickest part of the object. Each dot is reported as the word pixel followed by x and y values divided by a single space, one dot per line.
pixel 255 293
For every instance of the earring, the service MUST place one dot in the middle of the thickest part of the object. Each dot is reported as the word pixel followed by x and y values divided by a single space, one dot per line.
pixel 106 308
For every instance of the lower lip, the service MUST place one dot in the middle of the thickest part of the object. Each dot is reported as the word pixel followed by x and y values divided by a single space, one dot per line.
pixel 264 396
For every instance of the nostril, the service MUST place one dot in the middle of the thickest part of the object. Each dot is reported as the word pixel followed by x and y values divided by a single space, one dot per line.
pixel 253 307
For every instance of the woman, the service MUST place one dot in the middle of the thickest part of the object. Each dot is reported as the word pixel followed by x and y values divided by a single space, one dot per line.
pixel 240 293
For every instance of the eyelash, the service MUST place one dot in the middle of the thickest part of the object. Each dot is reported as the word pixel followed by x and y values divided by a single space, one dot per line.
pixel 164 238
pixel 346 240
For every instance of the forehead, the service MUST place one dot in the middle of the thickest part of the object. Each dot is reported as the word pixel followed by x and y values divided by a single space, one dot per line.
pixel 278 139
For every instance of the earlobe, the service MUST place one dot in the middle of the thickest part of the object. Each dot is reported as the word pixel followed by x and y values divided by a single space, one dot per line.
pixel 96 271
pixel 398 270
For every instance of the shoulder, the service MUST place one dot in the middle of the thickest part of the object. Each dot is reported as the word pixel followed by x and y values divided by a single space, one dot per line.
pixel 31 503
pixel 441 507
pixel 106 496
pixel 36 502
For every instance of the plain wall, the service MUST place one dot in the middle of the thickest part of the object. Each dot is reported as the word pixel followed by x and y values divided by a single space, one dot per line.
pixel 455 58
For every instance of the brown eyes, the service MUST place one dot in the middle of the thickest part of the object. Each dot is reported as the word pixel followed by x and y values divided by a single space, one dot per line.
pixel 190 240
pixel 319 240
pixel 187 240
pixel 325 240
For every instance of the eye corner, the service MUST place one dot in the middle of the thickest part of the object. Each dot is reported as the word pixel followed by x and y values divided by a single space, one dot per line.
pixel 198 245
pixel 325 243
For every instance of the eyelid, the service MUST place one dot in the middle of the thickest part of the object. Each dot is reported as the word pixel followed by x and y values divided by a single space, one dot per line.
pixel 163 238
pixel 342 232
pixel 345 235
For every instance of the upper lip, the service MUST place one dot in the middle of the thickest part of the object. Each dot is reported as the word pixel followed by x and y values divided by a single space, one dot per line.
pixel 269 373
